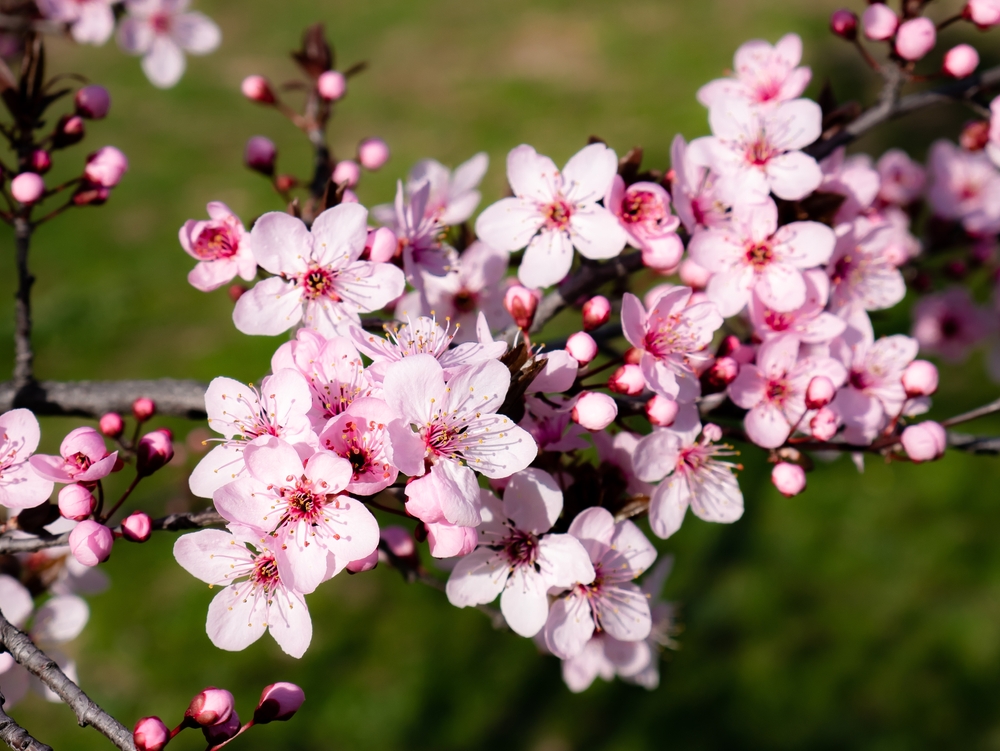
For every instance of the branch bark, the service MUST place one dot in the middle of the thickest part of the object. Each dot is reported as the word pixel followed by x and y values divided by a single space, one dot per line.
pixel 176 398
pixel 15 736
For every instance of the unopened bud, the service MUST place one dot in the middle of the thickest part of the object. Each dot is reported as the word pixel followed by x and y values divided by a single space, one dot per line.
pixel 105 167
pixel 693 275
pixel 363 564
pixel 632 356
pixel 920 378
pixel 628 379
pixel 137 527
pixel 155 449
pixel 285 183
pixel 373 153
pixel 216 734
pixel 975 135
pixel 915 38
pixel 260 155
pixel 258 89
pixel 381 245
pixel 236 291
pixel 143 408
pixel 879 22
pixel 27 187
pixel 398 541
pixel 69 130
pixel 92 102
pixel 722 372
pixel 150 734
pixel 961 61
pixel 662 411
pixel 347 173
pixel 278 703
pixel 844 23
pixel 111 424
pixel 213 706
pixel 823 425
pixel 91 542
pixel 331 85
pixel 594 410
pixel 983 13
pixel 76 502
pixel 521 303
pixel 789 479
pixel 596 312
pixel 582 347
pixel 819 392
pixel 925 441
pixel 41 161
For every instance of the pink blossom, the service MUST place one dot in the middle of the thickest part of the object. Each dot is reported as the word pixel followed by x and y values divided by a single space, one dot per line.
pixel 852 177
pixel 820 392
pixel 879 21
pixel 552 427
pixel 964 186
pixel 20 486
pixel 762 74
pixel 90 543
pixel 615 456
pixel 810 323
pixel 862 274
pixel 643 210
pixel 221 246
pixel 27 187
pixel 83 458
pixel 76 502
pixel 452 196
pixel 318 277
pixel 594 410
pixel 242 414
pixel 920 378
pixel 137 527
pixel 694 473
pixel 582 347
pixel 757 151
pixel 596 312
pixel 105 167
pixel 211 706
pixel 983 13
pixel 924 442
pixel 949 324
pixel 517 558
pixel 278 703
pixel 754 254
pixel 552 212
pixel 695 190
pixel 627 379
pixel 915 37
pixel 673 337
pixel 661 411
pixel 961 61
pixel 993 145
pixel 789 479
pixel 256 596
pixel 150 734
pixel 902 179
pixel 447 430
pixel 360 434
pixel 91 21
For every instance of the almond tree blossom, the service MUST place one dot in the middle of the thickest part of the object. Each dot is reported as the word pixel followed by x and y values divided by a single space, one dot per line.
pixel 83 458
pixel 91 21
pixel 754 254
pixel 318 277
pixel 162 31
pixel 221 247
pixel 20 486
pixel 553 212
pixel 810 323
pixel 256 596
pixel 515 557
pixel 762 74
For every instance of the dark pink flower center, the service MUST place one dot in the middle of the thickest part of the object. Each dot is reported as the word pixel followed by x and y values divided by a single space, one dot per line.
pixel 951 327
pixel 641 206
pixel 160 22
pixel 759 255
pixel 80 461
pixel 842 269
pixel 265 572
pixel 777 321
pixel 760 151
pixel 521 548
pixel 557 214
pixel 860 379
pixel 665 336
pixel 319 282
pixel 777 391
pixel 215 243
pixel 464 301
pixel 303 504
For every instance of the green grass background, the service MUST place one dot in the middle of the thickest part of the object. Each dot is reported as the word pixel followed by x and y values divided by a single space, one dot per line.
pixel 863 614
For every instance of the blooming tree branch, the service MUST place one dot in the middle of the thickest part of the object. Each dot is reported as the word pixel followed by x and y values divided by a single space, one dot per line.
pixel 17 737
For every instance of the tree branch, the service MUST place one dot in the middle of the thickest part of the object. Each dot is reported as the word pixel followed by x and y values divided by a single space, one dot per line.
pixel 36 662
pixel 176 398
pixel 15 736
pixel 23 357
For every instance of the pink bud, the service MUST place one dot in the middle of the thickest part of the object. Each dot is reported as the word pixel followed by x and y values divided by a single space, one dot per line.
pixel 76 502
pixel 975 135
pixel 137 527
pixel 41 162
pixel 920 378
pixel 90 543
pixel 213 706
pixel 143 408
pixel 278 702
pixel 331 85
pixel 93 102
pixel 446 540
pixel 824 424
pixel 373 153
pixel 398 540
pixel 960 61
pixel 260 154
pixel 693 275
pixel 628 379
pixel 105 167
pixel 789 479
pixel 879 22
pixel 844 23
pixel 381 245
pixel 363 564
pixel 582 347
pixel 924 441
pixel 521 303
pixel 594 411
pixel 150 734
pixel 258 89
pixel 236 291
pixel 820 392
pixel 915 38
pixel 347 172
pixel 69 130
pixel 632 356
pixel 155 449
pixel 111 424
pixel 216 734
pixel 27 187
pixel 723 372
pixel 596 312
pixel 662 411
pixel 983 13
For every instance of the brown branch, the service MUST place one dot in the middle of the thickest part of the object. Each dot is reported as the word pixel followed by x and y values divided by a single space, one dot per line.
pixel 15 736
pixel 986 409
pixel 23 357
pixel 176 398
pixel 36 662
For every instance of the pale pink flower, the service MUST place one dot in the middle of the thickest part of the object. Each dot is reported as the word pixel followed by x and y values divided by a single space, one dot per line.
pixel 902 179
pixel 852 177
pixel 694 473
pixel 552 212
pixel 453 196
pixel 774 389
pixel 301 505
pixel 762 74
pixel 83 458
pixel 20 486
pixel 161 31
pixel 611 603
pixel 757 150
pixel 318 277
pixel 615 456
pixel 753 254
pixel 673 337
pixel 552 427
pixel 983 13
pixel 695 190
pixel 360 434
pixel 221 246
pixel 420 233
pixel 810 323
pixel 643 210
pixel 447 430
pixel 861 269
pixel 993 145
pixel 91 21
pixel 949 324
pixel 242 414
pixel 517 558
pixel 964 186
pixel 256 597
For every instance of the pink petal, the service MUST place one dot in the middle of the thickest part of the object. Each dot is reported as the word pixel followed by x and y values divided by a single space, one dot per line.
pixel 281 243
pixel 805 244
pixel 234 623
pixel 749 388
pixel 596 233
pixel 531 175
pixel 16 603
pixel 718 499
pixel 794 175
pixel 563 561
pixel 414 388
pixel 209 554
pixel 631 544
pixel 509 224
pixel 524 602
pixel 781 287
pixel 668 506
pixel 135 36
pixel 588 174
pixel 22 487
pixel 60 619
pixel 547 260
pixel 450 487
pixel 766 425
pixel 271 461
pixel 96 24
pixel 794 125
pixel 595 524
pixel 477 578
pixel 289 623
pixel 729 290
pixel 626 616
pixel 164 63
pixel 569 626
pixel 271 307
pixel 656 455
pixel 777 356
pixel 196 33
pixel 633 320
pixel 339 235
pixel 21 426
pixel 716 250
pixel 533 500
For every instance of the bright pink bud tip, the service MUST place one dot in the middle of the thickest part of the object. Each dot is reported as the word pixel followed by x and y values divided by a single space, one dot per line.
pixel 76 502
pixel 258 89
pixel 27 187
pixel 521 303
pixel 581 347
pixel 213 706
pixel 155 449
pixel 137 527
pixel 93 102
pixel 105 167
pixel 150 734
pixel 789 479
pixel 594 411
pixel 90 543
pixel 693 275
pixel 381 245
pixel 143 408
pixel 331 85
pixel 596 312
pixel 346 172
pixel 915 38
pixel 723 372
pixel 111 424
pixel 278 702
pixel 41 161
pixel 844 23
pixel 662 411
pixel 628 379
pixel 373 153
pixel 260 154
pixel 820 392
pixel 398 540
pixel 983 13
pixel 925 441
pixel 824 424
pixel 920 378
pixel 879 22
pixel 363 564
pixel 960 61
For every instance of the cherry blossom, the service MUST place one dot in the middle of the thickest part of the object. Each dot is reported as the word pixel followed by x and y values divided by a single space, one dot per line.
pixel 221 247
pixel 949 324
pixel 420 233
pixel 83 458
pixel 763 74
pixel 318 277
pixel 695 190
pixel 862 274
pixel 552 427
pixel 964 186
pixel 453 196
pixel 20 486
pixel 854 178
pixel 91 21
pixel 810 323
pixel 360 434
pixel 902 180
pixel 553 212
pixel 516 559
pixel 643 210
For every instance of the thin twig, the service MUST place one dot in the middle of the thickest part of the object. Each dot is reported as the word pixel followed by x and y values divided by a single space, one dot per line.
pixel 15 736
pixel 986 409
pixel 23 357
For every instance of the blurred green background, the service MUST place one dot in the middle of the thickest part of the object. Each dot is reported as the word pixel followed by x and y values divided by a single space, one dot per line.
pixel 863 614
